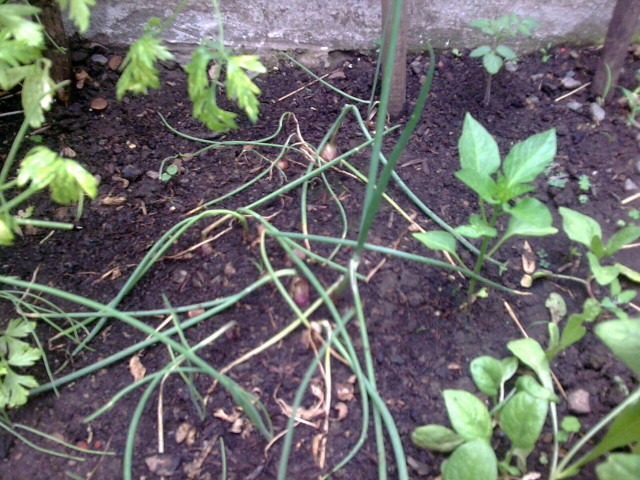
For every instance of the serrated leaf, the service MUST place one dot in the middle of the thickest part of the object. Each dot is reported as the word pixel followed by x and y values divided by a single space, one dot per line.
pixel 14 389
pixel 480 51
pixel 37 91
pixel 477 148
pixel 619 466
pixel 570 424
pixel 79 12
pixel 579 227
pixel 71 182
pixel 522 419
pixel 16 19
pixel 436 437
pixel 438 240
pixel 623 339
pixel 506 52
pixel 528 159
pixel 472 460
pixel 468 415
pixel 479 23
pixel 492 63
pixel 240 87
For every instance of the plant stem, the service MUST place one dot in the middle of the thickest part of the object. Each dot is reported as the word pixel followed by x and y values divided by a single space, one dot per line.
pixel 483 251
pixel 487 90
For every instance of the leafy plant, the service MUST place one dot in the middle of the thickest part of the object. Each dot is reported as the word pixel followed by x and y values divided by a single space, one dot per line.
pixel 634 213
pixel 546 53
pixel 16 354
pixel 633 102
pixel 500 186
pixel 494 55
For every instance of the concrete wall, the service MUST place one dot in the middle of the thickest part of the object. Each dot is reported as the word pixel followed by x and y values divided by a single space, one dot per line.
pixel 259 25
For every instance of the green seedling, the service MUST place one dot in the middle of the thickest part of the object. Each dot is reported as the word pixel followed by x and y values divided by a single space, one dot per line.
pixel 546 53
pixel 633 102
pixel 16 354
pixel 542 258
pixel 494 55
pixel 584 183
pixel 456 53
pixel 500 187
pixel 169 172
pixel 557 182
pixel 634 213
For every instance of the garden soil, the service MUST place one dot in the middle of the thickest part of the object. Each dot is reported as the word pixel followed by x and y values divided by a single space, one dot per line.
pixel 422 335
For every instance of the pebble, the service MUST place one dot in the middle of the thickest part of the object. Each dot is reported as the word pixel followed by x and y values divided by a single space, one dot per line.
pixel 597 112
pixel 630 185
pixel 579 402
pixel 638 166
pixel 570 83
pixel 510 67
pixel 99 58
pixel 131 172
pixel 416 67
pixel 575 106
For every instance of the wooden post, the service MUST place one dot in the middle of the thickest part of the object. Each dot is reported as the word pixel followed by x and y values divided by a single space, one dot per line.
pixel 51 19
pixel 621 28
pixel 398 94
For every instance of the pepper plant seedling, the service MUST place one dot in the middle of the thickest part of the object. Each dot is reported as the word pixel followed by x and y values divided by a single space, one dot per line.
pixel 496 53
pixel 500 189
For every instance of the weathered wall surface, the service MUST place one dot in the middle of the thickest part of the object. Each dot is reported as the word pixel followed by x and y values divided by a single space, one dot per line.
pixel 259 25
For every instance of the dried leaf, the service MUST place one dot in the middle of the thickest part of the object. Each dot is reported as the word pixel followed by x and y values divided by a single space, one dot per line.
pixel 163 464
pixel 528 258
pixel 343 410
pixel 185 431
pixel 344 391
pixel 109 200
pixel 319 449
pixel 137 369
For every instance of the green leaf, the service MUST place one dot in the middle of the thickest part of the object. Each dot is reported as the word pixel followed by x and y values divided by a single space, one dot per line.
pixel 14 389
pixel 38 167
pixel 492 63
pixel 37 91
pixel 478 150
pixel 522 419
pixel 479 23
pixel 530 353
pixel 570 424
pixel 438 240
pixel 530 217
pixel 472 460
pixel 239 85
pixel 623 339
pixel 480 183
pixel 619 466
pixel 528 159
pixel 16 20
pixel 486 372
pixel 436 437
pixel 603 275
pixel 478 228
pixel 574 330
pixel 506 52
pixel 6 234
pixel 78 12
pixel 138 68
pixel 528 384
pixel 627 235
pixel 468 415
pixel 579 227
pixel 627 272
pixel 480 51
pixel 557 307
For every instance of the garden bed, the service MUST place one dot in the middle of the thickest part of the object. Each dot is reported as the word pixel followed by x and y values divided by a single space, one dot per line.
pixel 422 335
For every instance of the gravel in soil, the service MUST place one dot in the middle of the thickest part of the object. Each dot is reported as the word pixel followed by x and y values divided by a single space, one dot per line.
pixel 422 340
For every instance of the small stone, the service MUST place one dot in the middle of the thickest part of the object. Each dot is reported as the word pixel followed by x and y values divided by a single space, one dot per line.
pixel 579 402
pixel 131 172
pixel 179 276
pixel 98 104
pixel 630 185
pixel 510 67
pixel 570 83
pixel 416 67
pixel 597 112
pixel 163 464
pixel 99 58
pixel 638 166
pixel 115 62
pixel 537 77
pixel 575 106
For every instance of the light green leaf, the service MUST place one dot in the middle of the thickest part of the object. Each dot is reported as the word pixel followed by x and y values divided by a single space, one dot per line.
pixel 531 218
pixel 623 338
pixel 492 63
pixel 480 183
pixel 486 372
pixel 531 354
pixel 570 424
pixel 478 228
pixel 6 234
pixel 603 275
pixel 574 330
pixel 14 389
pixel 468 415
pixel 619 466
pixel 78 12
pixel 472 460
pixel 627 272
pixel 528 159
pixel 478 150
pixel 480 51
pixel 436 437
pixel 38 167
pixel 528 384
pixel 438 240
pixel 627 235
pixel 37 91
pixel 239 85
pixel 479 23
pixel 506 52
pixel 557 307
pixel 522 419
pixel 17 22
pixel 579 227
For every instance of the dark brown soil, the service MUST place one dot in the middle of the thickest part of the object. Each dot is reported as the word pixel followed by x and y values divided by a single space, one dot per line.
pixel 421 339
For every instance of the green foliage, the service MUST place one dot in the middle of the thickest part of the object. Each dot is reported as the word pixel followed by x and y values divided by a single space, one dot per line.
pixel 15 353
pixel 501 189
pixel 633 102
pixel 79 12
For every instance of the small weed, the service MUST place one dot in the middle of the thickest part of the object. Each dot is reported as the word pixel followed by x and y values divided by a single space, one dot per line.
pixel 542 258
pixel 634 214
pixel 584 182
pixel 557 182
pixel 546 53
pixel 582 198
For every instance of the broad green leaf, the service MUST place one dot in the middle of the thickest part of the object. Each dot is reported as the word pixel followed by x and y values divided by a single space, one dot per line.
pixel 436 437
pixel 627 272
pixel 603 275
pixel 627 235
pixel 624 430
pixel 531 354
pixel 623 338
pixel 492 63
pixel 486 372
pixel 522 419
pixel 474 460
pixel 480 51
pixel 528 159
pixel 597 247
pixel 71 182
pixel 626 296
pixel 554 337
pixel 506 193
pixel 509 367
pixel 579 227
pixel 480 183
pixel 239 85
pixel 531 218
pixel 478 228
pixel 38 167
pixel 78 12
pixel 528 384
pixel 574 330
pixel 619 466
pixel 14 389
pixel 506 52
pixel 557 307
pixel 438 240
pixel 138 68
pixel 478 150
pixel 468 415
